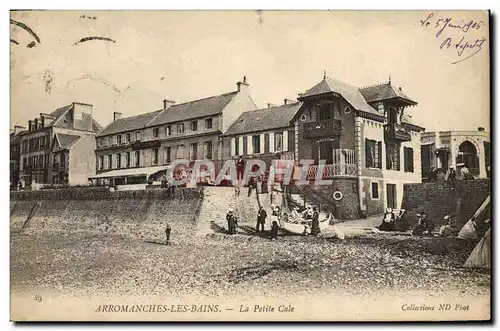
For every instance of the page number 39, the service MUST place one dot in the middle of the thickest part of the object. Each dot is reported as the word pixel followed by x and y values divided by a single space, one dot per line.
pixel 38 298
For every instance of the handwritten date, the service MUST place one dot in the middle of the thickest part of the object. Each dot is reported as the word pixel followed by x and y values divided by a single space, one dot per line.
pixel 457 35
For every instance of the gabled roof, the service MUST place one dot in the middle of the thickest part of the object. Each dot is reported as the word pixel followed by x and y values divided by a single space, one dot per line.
pixel 65 141
pixel 350 93
pixel 384 91
pixel 128 123
pixel 264 119
pixel 194 109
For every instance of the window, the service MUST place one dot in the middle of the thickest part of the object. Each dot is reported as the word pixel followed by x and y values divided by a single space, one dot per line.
pixel 113 140
pixel 180 128
pixel 137 158
pixel 118 161
pixel 46 160
pixel 155 155
pixel 256 144
pixel 208 150
pixel 236 146
pixel 110 161
pixel 127 138
pixel 194 126
pixel 325 112
pixel 208 123
pixel 101 162
pixel 138 136
pixel 156 132
pixel 40 161
pixel 380 107
pixel 127 159
pixel 373 154
pixel 392 156
pixel 374 190
pixel 25 162
pixel 168 130
pixel 194 151
pixel 180 152
pixel 168 154
pixel 408 155
pixel 278 141
pixel 119 139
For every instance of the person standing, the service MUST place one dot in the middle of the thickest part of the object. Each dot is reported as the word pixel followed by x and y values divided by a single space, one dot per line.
pixel 261 219
pixel 168 230
pixel 274 224
pixel 315 228
pixel 252 185
pixel 451 176
pixel 231 222
pixel 240 168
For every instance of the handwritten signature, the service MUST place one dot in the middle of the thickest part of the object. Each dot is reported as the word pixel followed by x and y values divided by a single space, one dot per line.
pixel 465 45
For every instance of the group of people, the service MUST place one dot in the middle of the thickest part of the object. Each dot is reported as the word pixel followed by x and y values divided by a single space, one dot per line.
pixel 424 226
pixel 451 174
pixel 308 216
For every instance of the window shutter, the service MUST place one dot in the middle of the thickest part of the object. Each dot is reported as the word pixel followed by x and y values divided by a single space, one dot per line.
pixel 271 142
pixel 240 146
pixel 367 153
pixel 285 141
pixel 379 148
pixel 249 145
pixel 233 147
pixel 266 143
pixel 410 159
pixel 261 142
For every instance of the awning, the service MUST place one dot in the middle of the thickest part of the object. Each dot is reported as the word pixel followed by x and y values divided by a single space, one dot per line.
pixel 427 143
pixel 134 172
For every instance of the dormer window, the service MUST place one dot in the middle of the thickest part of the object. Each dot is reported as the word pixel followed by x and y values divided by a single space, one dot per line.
pixel 325 112
pixel 380 107
pixel 180 128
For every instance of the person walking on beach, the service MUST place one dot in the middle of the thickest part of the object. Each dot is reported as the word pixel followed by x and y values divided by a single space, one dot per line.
pixel 240 167
pixel 275 223
pixel 231 222
pixel 315 228
pixel 168 230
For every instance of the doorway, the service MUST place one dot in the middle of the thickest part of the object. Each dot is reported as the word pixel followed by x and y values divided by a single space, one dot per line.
pixel 391 196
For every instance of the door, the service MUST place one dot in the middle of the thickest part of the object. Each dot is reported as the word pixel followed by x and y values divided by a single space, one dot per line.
pixel 391 196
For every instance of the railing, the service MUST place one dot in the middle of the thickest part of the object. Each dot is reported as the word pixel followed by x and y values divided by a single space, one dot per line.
pixel 323 128
pixel 344 165
pixel 396 132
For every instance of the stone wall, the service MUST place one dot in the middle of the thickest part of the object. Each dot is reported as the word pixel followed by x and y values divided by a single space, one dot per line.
pixel 437 199
pixel 141 214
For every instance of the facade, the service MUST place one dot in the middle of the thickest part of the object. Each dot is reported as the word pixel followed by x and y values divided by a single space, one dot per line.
pixel 73 159
pixel 15 154
pixel 266 134
pixel 367 140
pixel 130 149
pixel 36 156
pixel 446 149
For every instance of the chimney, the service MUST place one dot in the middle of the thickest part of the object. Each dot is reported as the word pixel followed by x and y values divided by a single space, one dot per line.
pixel 30 127
pixel 269 105
pixel 36 123
pixel 288 101
pixel 42 121
pixel 480 129
pixel 18 128
pixel 116 116
pixel 242 85
pixel 401 89
pixel 167 103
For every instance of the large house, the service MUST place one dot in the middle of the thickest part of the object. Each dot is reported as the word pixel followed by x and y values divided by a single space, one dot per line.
pixel 37 144
pixel 446 149
pixel 363 139
pixel 132 149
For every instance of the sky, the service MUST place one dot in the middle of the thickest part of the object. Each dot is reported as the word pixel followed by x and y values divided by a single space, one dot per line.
pixel 188 55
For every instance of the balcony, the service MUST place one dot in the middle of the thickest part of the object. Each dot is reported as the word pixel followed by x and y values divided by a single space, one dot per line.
pixel 396 132
pixel 323 128
pixel 344 165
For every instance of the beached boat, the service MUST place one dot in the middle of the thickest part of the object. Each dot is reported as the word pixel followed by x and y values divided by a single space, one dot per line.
pixel 303 229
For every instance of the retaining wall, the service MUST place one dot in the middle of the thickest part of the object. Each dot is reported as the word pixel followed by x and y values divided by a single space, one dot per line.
pixel 136 213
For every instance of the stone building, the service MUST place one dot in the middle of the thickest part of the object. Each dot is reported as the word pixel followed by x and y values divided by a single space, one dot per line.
pixel 131 149
pixel 37 157
pixel 456 148
pixel 15 155
pixel 367 140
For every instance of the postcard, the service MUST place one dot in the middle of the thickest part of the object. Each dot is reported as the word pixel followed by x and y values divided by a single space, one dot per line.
pixel 251 165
